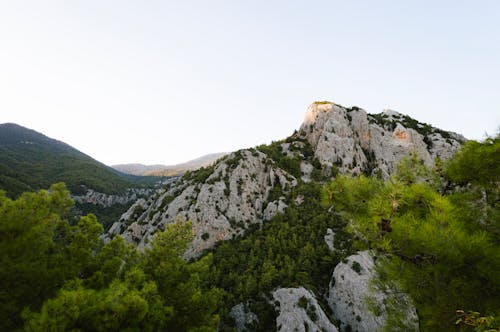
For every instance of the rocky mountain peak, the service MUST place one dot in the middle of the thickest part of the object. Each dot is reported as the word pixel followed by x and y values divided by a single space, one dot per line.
pixel 249 187
pixel 354 141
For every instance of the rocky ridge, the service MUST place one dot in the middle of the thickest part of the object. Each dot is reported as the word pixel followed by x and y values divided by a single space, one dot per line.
pixel 107 200
pixel 354 141
pixel 221 201
pixel 247 187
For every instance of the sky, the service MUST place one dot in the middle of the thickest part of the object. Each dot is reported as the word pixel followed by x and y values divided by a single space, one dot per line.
pixel 162 82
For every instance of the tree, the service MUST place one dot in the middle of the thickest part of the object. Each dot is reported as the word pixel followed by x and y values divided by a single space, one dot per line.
pixel 58 277
pixel 429 248
pixel 180 283
pixel 132 304
pixel 475 173
pixel 27 228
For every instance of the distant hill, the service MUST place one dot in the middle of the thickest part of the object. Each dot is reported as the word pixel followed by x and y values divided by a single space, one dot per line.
pixel 172 170
pixel 30 161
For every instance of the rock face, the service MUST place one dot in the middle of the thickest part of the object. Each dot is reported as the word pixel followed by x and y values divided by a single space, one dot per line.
pixel 105 200
pixel 356 141
pixel 330 239
pixel 243 318
pixel 299 311
pixel 361 304
pixel 247 187
pixel 221 201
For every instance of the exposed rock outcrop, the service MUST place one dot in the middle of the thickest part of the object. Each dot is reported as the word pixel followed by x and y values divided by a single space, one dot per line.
pixel 243 318
pixel 362 304
pixel 106 200
pixel 249 186
pixel 299 311
pixel 221 201
pixel 356 141
pixel 330 239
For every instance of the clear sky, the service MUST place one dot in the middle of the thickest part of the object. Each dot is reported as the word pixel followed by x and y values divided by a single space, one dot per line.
pixel 168 81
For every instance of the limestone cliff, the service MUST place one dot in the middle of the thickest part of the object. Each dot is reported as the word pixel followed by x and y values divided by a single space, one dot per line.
pixel 107 200
pixel 361 302
pixel 221 201
pixel 299 310
pixel 355 141
pixel 247 187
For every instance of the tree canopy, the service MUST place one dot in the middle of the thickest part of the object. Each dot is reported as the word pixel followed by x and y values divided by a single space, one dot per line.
pixel 59 277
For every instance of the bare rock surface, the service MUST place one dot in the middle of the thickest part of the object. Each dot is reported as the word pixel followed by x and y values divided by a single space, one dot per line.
pixel 243 318
pixel 222 203
pixel 330 239
pixel 299 311
pixel 248 187
pixel 362 304
pixel 107 200
pixel 355 141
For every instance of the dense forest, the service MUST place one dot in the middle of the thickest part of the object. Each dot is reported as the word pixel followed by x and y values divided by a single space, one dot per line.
pixel 436 233
pixel 31 161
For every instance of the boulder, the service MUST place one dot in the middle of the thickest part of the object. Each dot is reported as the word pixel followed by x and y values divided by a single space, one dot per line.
pixel 299 311
pixel 362 304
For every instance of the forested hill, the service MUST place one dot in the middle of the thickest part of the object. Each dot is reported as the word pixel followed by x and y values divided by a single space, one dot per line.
pixel 30 161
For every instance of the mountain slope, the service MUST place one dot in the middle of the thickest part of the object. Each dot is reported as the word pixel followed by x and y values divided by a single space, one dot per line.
pixel 31 161
pixel 222 201
pixel 261 216
pixel 171 170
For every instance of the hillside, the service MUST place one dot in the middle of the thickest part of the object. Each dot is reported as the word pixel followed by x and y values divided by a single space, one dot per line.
pixel 340 226
pixel 355 222
pixel 31 161
pixel 249 186
pixel 172 170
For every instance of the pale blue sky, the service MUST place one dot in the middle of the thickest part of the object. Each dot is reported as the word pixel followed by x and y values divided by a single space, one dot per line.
pixel 168 81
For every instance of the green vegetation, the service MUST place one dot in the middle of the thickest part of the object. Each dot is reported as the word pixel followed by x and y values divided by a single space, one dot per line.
pixel 200 175
pixel 31 161
pixel 301 151
pixel 476 169
pixel 288 251
pixel 106 215
pixel 356 267
pixel 443 258
pixel 436 233
pixel 382 120
pixel 385 121
pixel 58 277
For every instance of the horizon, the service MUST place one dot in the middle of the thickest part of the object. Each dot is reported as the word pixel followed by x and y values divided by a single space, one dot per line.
pixel 178 163
pixel 165 83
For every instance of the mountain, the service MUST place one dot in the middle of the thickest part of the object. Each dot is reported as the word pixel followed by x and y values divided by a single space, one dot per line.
pixel 30 161
pixel 172 170
pixel 356 141
pixel 286 241
pixel 356 222
pixel 248 187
